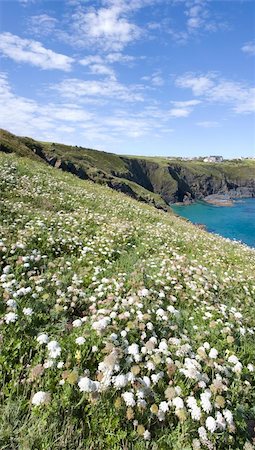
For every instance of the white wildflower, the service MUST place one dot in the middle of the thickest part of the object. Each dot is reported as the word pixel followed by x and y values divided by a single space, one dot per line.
pixel 10 317
pixel 80 340
pixel 42 338
pixel 220 420
pixel 146 435
pixel 155 377
pixel 196 444
pixel 48 363
pixel 128 398
pixel 164 407
pixel 211 424
pixel 133 349
pixel 77 323
pixel 120 381
pixel 178 403
pixel 27 311
pixel 147 381
pixel 101 324
pixel 54 349
pixel 205 401
pixel 87 385
pixel 143 293
pixel 233 359
pixel 213 353
pixel 237 367
pixel 41 398
pixel 228 416
pixel 11 303
pixel 202 433
pixel 195 412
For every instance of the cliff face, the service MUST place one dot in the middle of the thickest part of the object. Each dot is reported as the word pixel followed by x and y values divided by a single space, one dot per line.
pixel 152 180
pixel 177 183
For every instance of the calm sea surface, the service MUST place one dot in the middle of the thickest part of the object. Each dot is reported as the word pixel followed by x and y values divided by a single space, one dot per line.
pixel 234 222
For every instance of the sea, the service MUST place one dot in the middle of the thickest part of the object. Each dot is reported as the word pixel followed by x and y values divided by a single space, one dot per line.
pixel 235 222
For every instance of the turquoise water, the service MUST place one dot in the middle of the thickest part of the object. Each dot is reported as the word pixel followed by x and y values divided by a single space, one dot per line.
pixel 234 222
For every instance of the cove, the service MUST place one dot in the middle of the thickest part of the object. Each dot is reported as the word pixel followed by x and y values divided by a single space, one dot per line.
pixel 235 222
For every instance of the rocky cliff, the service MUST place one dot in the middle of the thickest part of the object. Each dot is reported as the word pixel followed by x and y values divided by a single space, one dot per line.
pixel 153 180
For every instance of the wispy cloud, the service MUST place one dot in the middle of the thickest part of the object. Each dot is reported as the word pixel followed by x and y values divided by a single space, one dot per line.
pixel 213 88
pixel 33 52
pixel 42 24
pixel 183 108
pixel 186 103
pixel 99 68
pixel 106 90
pixel 66 121
pixel 27 2
pixel 108 27
pixel 208 124
pixel 199 19
pixel 155 79
pixel 23 114
pixel 249 48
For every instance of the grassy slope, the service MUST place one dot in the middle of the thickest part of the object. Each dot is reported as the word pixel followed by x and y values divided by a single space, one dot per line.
pixel 72 249
pixel 99 166
pixel 119 171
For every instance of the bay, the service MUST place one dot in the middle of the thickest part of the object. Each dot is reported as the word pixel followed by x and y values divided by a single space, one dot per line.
pixel 236 222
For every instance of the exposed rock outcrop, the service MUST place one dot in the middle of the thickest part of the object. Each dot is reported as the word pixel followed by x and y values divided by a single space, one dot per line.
pixel 151 180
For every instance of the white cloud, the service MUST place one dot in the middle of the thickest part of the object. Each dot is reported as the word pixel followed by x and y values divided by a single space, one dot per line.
pixel 108 89
pixel 102 69
pixel 179 112
pixel 249 48
pixel 32 52
pixel 197 13
pixel 213 88
pixel 119 57
pixel 199 84
pixel 97 67
pixel 208 124
pixel 27 2
pixel 100 65
pixel 199 19
pixel 70 123
pixel 130 126
pixel 42 24
pixel 92 59
pixel 187 103
pixel 155 79
pixel 22 114
pixel 183 108
pixel 107 27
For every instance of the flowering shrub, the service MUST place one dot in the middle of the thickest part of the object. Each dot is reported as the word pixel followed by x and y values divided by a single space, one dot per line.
pixel 121 326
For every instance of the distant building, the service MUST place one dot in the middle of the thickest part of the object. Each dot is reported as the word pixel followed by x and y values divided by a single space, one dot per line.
pixel 213 159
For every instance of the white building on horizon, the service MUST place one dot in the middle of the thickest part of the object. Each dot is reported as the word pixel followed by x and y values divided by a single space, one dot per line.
pixel 216 158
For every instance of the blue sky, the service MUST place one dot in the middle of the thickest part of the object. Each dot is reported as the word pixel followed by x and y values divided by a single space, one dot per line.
pixel 148 77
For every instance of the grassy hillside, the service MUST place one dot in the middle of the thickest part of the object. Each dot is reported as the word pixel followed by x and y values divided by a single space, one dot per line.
pixel 158 181
pixel 122 326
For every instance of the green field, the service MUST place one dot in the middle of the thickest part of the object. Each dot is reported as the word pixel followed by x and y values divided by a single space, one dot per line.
pixel 122 326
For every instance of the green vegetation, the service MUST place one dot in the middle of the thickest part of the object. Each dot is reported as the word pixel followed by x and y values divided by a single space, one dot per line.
pixel 154 180
pixel 122 326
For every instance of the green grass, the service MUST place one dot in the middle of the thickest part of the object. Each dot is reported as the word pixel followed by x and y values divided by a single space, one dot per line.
pixel 72 249
pixel 155 180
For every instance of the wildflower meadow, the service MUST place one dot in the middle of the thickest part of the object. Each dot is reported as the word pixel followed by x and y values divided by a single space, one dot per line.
pixel 122 326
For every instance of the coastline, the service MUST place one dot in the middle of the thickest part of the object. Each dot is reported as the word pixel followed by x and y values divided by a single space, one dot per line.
pixel 213 199
pixel 236 223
